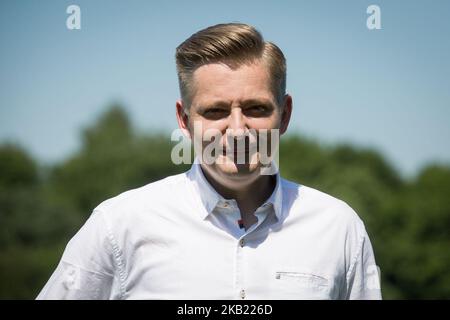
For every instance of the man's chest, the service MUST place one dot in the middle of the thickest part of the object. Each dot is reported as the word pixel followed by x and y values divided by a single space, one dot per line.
pixel 201 265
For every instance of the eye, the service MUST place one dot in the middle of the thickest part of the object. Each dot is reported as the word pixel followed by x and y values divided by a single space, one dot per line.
pixel 257 111
pixel 215 113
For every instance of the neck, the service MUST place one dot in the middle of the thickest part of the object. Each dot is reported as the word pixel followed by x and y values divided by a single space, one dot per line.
pixel 249 194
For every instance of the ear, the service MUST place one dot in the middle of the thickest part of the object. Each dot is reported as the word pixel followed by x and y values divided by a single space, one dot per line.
pixel 286 115
pixel 182 118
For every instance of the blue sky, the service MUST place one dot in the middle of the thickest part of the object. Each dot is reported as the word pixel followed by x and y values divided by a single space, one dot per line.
pixel 388 89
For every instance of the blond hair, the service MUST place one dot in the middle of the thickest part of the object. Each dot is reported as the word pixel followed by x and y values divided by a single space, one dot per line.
pixel 234 44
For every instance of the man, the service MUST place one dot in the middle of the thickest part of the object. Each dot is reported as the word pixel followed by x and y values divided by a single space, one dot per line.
pixel 225 229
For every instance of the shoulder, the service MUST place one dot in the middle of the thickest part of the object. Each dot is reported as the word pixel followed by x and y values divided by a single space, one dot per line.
pixel 142 199
pixel 325 216
pixel 312 203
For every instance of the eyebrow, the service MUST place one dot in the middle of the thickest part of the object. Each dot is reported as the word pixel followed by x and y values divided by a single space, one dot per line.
pixel 245 103
pixel 265 102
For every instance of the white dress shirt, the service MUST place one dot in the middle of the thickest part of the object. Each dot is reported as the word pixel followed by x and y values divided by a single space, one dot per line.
pixel 177 238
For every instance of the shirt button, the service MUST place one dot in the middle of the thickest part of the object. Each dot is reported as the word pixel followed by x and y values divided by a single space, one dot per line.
pixel 242 243
pixel 242 294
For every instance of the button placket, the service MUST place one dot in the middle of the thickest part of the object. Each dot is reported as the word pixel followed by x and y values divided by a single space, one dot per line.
pixel 240 269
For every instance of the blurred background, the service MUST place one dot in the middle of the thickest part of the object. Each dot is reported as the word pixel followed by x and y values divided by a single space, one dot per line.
pixel 87 114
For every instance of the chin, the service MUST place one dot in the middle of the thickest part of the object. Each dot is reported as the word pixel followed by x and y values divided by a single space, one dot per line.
pixel 227 167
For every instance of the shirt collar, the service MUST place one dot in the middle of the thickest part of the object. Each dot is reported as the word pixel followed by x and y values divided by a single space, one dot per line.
pixel 210 198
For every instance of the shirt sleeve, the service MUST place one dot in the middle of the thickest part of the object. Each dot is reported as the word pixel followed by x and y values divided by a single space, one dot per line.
pixel 363 277
pixel 87 268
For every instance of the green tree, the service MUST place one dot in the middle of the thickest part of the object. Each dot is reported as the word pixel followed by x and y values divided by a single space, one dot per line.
pixel 41 208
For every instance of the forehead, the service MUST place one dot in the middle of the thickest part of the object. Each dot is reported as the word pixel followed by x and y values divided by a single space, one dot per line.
pixel 219 81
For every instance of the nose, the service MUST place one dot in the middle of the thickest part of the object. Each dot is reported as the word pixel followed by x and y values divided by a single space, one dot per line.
pixel 236 133
pixel 237 124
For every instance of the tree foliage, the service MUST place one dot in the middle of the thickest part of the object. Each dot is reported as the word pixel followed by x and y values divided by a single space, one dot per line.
pixel 41 208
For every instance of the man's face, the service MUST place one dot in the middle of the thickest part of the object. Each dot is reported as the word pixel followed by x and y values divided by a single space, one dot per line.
pixel 234 102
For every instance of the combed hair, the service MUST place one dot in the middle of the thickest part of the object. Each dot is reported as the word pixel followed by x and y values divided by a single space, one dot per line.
pixel 233 44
